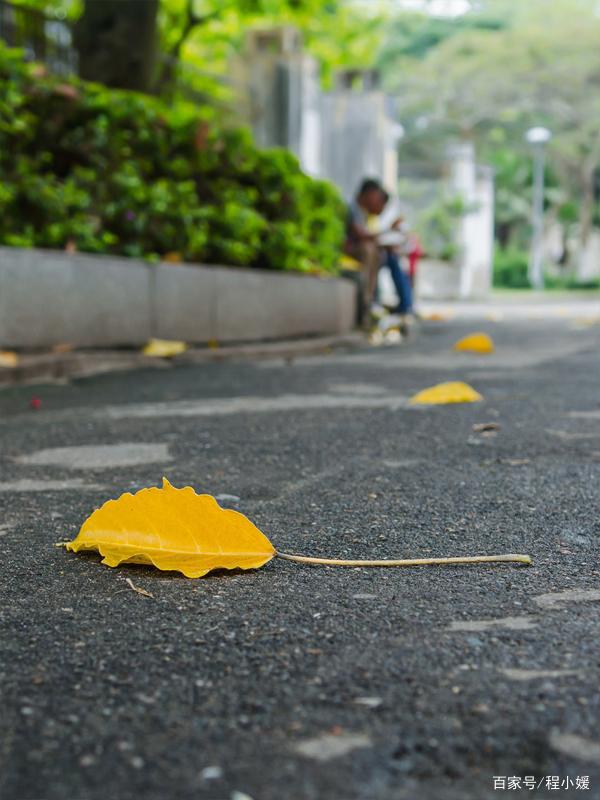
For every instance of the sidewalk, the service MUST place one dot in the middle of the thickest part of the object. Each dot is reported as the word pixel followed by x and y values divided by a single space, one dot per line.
pixel 53 366
pixel 522 305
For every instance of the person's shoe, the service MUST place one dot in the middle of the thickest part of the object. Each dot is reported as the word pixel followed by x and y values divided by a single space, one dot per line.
pixel 405 324
pixel 377 311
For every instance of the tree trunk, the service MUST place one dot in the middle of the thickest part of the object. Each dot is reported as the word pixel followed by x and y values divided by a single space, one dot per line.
pixel 586 216
pixel 117 42
pixel 587 205
pixel 504 233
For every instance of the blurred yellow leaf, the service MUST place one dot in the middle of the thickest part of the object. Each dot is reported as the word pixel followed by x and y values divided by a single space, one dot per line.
pixel 163 348
pixel 173 529
pixel 347 262
pixel 450 392
pixel 8 358
pixel 475 343
pixel 62 347
pixel 436 316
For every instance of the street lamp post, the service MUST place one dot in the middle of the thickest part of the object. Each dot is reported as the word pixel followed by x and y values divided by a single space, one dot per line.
pixel 537 138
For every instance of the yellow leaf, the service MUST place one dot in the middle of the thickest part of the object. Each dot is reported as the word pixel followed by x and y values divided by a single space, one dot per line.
pixel 173 529
pixel 475 343
pixel 163 348
pixel 450 392
pixel 8 358
pixel 436 316
pixel 347 262
pixel 177 529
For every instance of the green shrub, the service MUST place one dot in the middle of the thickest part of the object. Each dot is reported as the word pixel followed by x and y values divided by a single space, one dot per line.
pixel 510 269
pixel 571 282
pixel 106 171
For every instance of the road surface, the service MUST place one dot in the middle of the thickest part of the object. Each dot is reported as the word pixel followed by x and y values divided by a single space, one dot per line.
pixel 314 683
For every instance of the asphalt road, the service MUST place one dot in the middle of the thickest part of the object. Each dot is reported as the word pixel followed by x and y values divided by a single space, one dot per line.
pixel 313 683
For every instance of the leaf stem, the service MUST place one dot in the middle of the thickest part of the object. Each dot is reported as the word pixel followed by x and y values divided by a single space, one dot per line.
pixel 405 562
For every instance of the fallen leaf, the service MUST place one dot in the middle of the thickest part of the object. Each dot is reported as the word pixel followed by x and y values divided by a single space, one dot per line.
pixel 436 316
pixel 163 348
pixel 173 529
pixel 177 529
pixel 586 322
pixel 442 393
pixel 347 262
pixel 483 427
pixel 8 358
pixel 475 343
pixel 138 589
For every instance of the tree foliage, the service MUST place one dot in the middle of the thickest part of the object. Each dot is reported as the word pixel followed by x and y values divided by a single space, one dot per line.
pixel 203 35
pixel 540 65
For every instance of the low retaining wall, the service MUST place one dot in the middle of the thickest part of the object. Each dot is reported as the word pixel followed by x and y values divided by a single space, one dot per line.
pixel 50 297
pixel 443 280
pixel 437 280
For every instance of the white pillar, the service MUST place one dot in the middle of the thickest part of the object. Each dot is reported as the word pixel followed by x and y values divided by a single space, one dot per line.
pixel 475 234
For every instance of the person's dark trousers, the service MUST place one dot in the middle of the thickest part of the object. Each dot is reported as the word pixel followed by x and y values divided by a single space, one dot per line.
pixel 358 279
pixel 401 283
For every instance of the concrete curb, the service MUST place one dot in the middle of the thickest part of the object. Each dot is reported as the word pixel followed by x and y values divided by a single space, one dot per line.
pixel 52 297
pixel 49 367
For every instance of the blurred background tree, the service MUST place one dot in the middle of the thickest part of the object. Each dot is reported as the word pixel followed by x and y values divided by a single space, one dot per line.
pixel 490 74
pixel 485 75
pixel 204 34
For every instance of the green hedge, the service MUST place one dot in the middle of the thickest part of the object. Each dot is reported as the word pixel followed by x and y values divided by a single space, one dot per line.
pixel 511 268
pixel 104 171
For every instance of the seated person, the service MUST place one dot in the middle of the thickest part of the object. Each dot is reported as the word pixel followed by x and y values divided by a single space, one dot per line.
pixel 370 247
pixel 391 248
pixel 360 242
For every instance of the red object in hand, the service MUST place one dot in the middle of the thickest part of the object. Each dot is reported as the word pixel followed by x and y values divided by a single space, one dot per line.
pixel 414 256
pixel 35 403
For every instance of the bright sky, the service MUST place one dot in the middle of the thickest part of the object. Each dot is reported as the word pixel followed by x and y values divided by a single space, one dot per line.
pixel 437 8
